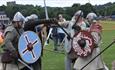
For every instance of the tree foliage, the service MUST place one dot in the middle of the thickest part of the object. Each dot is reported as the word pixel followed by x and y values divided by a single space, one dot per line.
pixel 103 10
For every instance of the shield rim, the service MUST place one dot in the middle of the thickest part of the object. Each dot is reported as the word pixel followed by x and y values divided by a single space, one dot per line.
pixel 40 49
pixel 90 47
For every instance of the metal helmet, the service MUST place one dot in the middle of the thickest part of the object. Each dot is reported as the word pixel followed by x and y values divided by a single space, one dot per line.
pixel 79 12
pixel 91 16
pixel 34 17
pixel 27 18
pixel 31 17
pixel 18 17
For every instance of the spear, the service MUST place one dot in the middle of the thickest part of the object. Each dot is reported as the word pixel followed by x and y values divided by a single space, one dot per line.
pixel 98 54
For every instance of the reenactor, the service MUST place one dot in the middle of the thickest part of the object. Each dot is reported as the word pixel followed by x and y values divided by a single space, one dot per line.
pixel 95 30
pixel 75 25
pixel 38 29
pixel 11 37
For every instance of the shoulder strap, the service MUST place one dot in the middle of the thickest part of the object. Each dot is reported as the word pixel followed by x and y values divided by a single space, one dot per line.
pixel 18 31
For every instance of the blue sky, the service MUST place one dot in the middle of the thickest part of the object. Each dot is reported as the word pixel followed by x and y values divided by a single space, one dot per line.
pixel 57 3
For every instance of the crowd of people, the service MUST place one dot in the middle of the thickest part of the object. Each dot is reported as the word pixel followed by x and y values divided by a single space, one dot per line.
pixel 72 61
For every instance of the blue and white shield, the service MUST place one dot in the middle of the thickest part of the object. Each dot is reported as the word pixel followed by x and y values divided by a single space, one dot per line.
pixel 29 47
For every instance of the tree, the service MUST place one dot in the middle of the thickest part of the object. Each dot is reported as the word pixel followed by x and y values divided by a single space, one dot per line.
pixel 87 8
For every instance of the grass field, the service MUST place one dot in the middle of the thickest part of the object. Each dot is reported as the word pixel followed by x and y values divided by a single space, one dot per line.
pixel 108 36
pixel 55 61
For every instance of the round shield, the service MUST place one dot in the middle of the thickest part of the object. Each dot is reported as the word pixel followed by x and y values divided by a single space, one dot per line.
pixel 29 47
pixel 83 43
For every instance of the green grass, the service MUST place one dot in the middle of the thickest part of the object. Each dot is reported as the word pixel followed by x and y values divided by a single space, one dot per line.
pixel 108 36
pixel 108 55
pixel 52 60
pixel 108 25
pixel 55 61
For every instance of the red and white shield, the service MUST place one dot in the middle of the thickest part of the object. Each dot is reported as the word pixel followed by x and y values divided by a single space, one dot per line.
pixel 89 46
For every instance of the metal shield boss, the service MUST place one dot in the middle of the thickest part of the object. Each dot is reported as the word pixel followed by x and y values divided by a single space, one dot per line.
pixel 83 43
pixel 29 47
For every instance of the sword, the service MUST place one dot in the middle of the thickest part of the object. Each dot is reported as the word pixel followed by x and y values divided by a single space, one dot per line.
pixel 50 31
pixel 25 64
